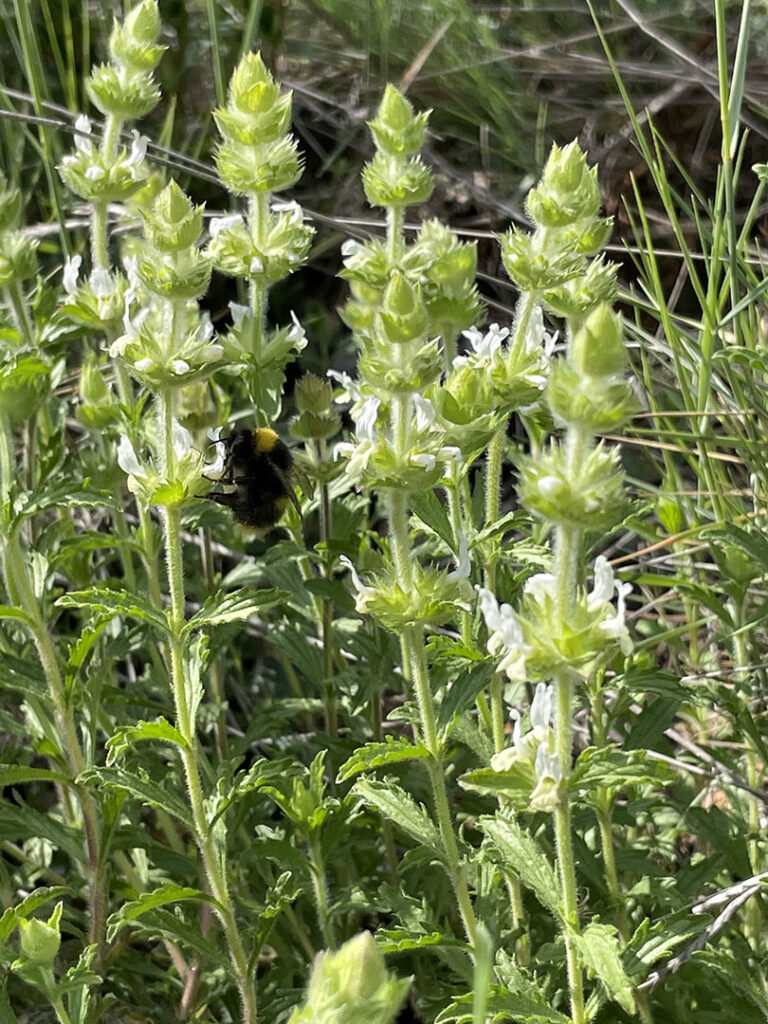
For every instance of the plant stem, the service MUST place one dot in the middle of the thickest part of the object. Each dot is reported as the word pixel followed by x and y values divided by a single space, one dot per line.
pixel 320 885
pixel 413 647
pixel 184 702
pixel 567 549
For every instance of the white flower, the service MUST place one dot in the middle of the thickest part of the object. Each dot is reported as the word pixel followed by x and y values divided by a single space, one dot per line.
pixel 102 283
pixel 484 346
pixel 214 469
pixel 127 460
pixel 350 387
pixel 180 367
pixel 238 311
pixel 425 411
pixel 541 711
pixel 290 207
pixel 463 564
pixel 598 602
pixel 351 247
pixel 426 460
pixel 451 453
pixel 364 593
pixel 525 748
pixel 602 590
pixel 545 796
pixel 138 149
pixel 365 428
pixel 297 335
pixel 181 439
pixel 219 224
pixel 83 128
pixel 506 636
pixel 255 266
pixel 71 272
pixel 541 586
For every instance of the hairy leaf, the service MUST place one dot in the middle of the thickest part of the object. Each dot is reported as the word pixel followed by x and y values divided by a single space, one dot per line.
pixel 376 755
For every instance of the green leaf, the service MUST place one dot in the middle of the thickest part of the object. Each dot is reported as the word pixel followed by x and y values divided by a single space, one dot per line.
pixel 432 512
pixel 108 602
pixel 10 611
pixel 234 607
pixel 599 951
pixel 23 674
pixel 293 643
pixel 394 803
pixel 658 941
pixel 503 1007
pixel 143 788
pixel 522 854
pixel 66 494
pixel 167 925
pixel 515 784
pixel 376 755
pixel 516 520
pixel 397 940
pixel 279 896
pixel 11 774
pixel 164 894
pixel 517 982
pixel 463 691
pixel 331 590
pixel 160 730
pixel 609 767
pixel 24 822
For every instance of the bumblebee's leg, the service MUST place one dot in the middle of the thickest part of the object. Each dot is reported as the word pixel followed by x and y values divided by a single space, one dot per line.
pixel 222 497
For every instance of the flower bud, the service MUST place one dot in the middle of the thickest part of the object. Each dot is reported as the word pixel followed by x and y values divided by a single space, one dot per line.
pixel 387 183
pixel 24 386
pixel 597 349
pixel 534 270
pixel 174 223
pixel 18 256
pixel 133 44
pixel 352 985
pixel 317 419
pixel 396 130
pixel 40 940
pixel 568 190
pixel 125 97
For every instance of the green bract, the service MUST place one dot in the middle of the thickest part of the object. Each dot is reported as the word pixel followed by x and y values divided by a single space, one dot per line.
pixel 351 986
pixel 589 496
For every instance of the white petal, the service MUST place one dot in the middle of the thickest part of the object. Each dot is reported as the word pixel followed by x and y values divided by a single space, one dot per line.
pixel 424 459
pixel 181 439
pixel 541 708
pixel 219 224
pixel 366 421
pixel 71 272
pixel 126 458
pixel 425 411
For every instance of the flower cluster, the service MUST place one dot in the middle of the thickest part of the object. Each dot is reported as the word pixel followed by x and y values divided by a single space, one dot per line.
pixel 184 480
pixel 97 175
pixel 535 751
pixel 18 251
pixel 552 263
pixel 538 642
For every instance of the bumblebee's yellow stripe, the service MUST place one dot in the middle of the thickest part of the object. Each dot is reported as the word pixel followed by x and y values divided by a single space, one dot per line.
pixel 264 440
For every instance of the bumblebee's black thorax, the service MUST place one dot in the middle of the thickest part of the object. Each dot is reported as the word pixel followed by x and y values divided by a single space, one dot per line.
pixel 257 463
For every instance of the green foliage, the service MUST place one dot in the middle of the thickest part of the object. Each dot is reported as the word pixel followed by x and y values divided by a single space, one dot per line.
pixel 238 771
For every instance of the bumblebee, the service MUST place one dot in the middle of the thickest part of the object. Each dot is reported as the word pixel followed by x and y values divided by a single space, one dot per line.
pixel 258 465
